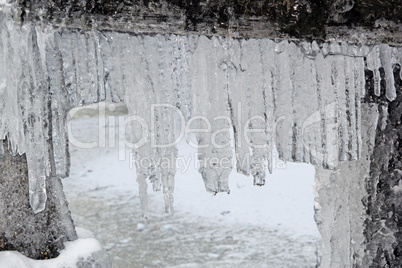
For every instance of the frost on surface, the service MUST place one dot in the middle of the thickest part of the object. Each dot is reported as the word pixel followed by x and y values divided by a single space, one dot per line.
pixel 304 99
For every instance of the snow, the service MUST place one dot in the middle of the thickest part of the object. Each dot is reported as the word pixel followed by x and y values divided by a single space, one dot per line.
pixel 74 251
pixel 273 225
pixel 286 201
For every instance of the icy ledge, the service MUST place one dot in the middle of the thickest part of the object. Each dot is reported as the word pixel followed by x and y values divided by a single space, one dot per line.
pixel 83 252
pixel 305 99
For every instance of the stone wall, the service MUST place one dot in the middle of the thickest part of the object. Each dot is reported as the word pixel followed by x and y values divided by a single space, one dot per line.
pixel 38 236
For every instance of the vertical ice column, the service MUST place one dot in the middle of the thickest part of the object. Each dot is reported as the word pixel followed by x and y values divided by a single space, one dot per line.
pixel 283 95
pixel 83 67
pixel 10 122
pixel 70 72
pixel 162 64
pixel 339 211
pixel 383 56
pixel 133 69
pixel 317 105
pixel 35 120
pixel 3 82
pixel 183 48
pixel 145 68
pixel 211 113
pixel 397 58
pixel 360 92
pixel 267 51
pixel 76 75
pixel 248 87
pixel 374 64
pixel 347 97
pixel 351 98
pixel 386 62
pixel 338 77
pixel 305 102
pixel 324 120
pixel 239 101
pixel 259 137
pixel 25 108
pixel 111 52
pixel 59 107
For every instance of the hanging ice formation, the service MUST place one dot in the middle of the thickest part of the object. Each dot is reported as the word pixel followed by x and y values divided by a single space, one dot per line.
pixel 305 98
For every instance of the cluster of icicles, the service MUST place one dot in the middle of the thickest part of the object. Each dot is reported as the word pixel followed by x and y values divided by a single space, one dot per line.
pixel 304 99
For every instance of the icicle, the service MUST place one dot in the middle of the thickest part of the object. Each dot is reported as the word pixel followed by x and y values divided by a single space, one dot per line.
pixel 80 50
pixel 113 50
pixel 168 65
pixel 151 76
pixel 386 61
pixel 36 124
pixel 306 102
pixel 342 93
pixel 360 78
pixel 93 94
pixel 283 94
pixel 13 42
pixel 325 118
pixel 161 66
pixel 183 74
pixel 1 149
pixel 383 56
pixel 69 67
pixel 397 58
pixel 60 106
pixel 83 67
pixel 268 65
pixel 255 124
pixel 3 80
pixel 212 116
pixel 374 64
pixel 351 106
pixel 99 68
pixel 239 103
pixel 140 95
pixel 359 85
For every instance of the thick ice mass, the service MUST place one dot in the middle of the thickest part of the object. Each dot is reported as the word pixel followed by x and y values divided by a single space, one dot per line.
pixel 302 98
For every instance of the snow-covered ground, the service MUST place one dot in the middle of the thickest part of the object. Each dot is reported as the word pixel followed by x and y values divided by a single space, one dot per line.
pixel 74 252
pixel 270 226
